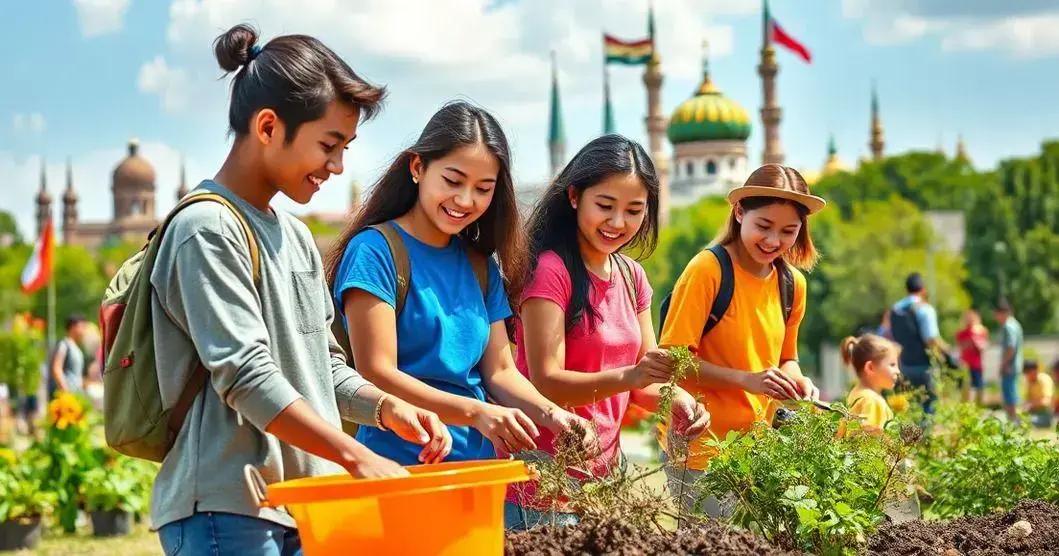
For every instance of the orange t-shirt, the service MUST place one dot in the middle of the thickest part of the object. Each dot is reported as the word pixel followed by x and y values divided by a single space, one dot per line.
pixel 751 336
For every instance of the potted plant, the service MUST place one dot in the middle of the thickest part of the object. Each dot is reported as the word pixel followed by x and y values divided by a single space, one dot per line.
pixel 113 495
pixel 22 503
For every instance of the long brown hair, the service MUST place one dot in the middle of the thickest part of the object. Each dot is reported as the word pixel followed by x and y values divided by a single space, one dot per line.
pixel 497 232
pixel 802 254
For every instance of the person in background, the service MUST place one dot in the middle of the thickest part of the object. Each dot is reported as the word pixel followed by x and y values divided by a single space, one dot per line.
pixel 1040 394
pixel 914 326
pixel 972 340
pixel 1011 356
pixel 66 370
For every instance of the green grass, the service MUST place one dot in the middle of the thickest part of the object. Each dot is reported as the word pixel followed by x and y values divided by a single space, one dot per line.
pixel 141 542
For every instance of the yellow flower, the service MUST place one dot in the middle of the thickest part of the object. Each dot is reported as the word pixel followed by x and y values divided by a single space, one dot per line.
pixel 65 410
pixel 7 455
pixel 898 402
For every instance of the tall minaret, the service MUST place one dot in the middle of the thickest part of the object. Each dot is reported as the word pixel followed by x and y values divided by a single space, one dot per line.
pixel 43 200
pixel 961 150
pixel 608 110
pixel 877 142
pixel 556 134
pixel 69 207
pixel 656 122
pixel 770 111
pixel 182 189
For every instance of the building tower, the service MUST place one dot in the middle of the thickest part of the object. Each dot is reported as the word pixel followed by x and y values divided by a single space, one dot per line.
pixel 556 133
pixel 133 187
pixel 43 200
pixel 608 109
pixel 69 207
pixel 961 150
pixel 833 163
pixel 182 189
pixel 655 121
pixel 876 142
pixel 770 111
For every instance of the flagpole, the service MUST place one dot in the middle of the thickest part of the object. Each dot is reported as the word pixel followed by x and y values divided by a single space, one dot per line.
pixel 51 310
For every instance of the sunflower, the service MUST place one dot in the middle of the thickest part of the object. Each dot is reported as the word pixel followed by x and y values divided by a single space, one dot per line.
pixel 898 402
pixel 65 410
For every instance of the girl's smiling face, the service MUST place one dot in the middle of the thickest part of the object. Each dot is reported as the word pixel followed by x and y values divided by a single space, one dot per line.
pixel 610 213
pixel 769 231
pixel 456 189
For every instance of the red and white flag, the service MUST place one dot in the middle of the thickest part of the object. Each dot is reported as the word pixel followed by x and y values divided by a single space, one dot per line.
pixel 37 271
pixel 776 34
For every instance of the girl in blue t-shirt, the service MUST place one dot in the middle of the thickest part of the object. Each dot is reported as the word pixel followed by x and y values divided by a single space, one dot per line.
pixel 448 349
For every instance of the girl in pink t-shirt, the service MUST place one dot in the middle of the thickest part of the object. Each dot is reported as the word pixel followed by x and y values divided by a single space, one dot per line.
pixel 584 334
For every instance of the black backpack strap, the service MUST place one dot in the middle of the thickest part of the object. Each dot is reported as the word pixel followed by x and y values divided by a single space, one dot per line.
pixel 622 264
pixel 786 283
pixel 725 290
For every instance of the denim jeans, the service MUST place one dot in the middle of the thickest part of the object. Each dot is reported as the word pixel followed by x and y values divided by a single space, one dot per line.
pixel 923 377
pixel 224 534
pixel 521 518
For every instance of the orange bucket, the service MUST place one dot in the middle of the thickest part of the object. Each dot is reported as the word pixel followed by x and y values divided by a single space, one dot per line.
pixel 446 508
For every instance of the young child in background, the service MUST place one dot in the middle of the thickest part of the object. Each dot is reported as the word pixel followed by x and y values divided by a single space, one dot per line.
pixel 1040 394
pixel 875 360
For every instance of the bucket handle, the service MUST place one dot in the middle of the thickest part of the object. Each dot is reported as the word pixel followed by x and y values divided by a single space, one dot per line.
pixel 256 483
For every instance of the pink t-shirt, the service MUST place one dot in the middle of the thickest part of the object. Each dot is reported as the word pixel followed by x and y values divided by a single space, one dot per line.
pixel 613 341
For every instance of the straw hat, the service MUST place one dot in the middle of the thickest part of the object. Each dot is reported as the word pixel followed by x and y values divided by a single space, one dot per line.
pixel 775 180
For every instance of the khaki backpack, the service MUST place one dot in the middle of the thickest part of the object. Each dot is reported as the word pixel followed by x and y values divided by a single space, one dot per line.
pixel 135 419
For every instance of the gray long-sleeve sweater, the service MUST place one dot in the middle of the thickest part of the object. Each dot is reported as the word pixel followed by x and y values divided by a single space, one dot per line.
pixel 265 346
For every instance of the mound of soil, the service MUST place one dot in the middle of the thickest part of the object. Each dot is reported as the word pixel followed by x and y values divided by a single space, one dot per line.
pixel 975 536
pixel 613 538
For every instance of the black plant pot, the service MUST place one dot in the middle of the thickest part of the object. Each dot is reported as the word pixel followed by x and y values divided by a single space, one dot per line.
pixel 19 534
pixel 111 523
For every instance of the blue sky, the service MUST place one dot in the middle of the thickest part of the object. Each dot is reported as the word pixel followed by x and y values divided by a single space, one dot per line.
pixel 83 76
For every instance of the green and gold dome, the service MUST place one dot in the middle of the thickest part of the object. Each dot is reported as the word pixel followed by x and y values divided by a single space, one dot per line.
pixel 708 116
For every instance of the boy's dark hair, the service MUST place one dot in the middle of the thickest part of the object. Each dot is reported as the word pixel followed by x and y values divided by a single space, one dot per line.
pixel 1030 365
pixel 295 75
pixel 1003 305
pixel 553 224
pixel 914 283
pixel 73 320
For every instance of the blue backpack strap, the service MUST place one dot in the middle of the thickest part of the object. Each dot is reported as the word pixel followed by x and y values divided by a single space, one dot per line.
pixel 725 290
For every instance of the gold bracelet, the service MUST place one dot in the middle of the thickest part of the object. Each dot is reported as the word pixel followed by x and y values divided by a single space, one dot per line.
pixel 378 412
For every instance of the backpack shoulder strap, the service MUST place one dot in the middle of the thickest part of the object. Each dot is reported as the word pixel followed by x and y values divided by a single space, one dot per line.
pixel 251 239
pixel 402 264
pixel 625 269
pixel 480 265
pixel 199 375
pixel 725 290
pixel 786 283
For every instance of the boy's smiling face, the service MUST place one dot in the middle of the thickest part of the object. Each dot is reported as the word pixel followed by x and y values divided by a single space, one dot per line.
pixel 300 167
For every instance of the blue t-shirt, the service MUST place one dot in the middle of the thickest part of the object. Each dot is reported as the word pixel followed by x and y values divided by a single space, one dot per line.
pixel 442 331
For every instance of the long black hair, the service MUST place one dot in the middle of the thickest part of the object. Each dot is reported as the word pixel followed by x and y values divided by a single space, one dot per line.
pixel 498 231
pixel 553 224
pixel 295 75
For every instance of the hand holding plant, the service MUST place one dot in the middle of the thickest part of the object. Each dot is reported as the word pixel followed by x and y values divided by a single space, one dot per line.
pixel 656 366
pixel 774 383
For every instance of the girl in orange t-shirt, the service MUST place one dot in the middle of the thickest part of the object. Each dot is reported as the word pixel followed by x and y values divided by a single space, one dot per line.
pixel 750 356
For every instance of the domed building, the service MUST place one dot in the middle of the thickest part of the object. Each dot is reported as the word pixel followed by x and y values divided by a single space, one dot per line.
pixel 708 132
pixel 133 190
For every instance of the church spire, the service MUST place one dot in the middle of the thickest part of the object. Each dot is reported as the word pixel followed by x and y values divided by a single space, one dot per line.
pixel 69 206
pixel 556 133
pixel 876 142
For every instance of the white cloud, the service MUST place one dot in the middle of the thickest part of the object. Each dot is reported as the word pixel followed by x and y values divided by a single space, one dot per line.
pixel 32 123
pixel 1023 29
pixel 100 17
pixel 171 84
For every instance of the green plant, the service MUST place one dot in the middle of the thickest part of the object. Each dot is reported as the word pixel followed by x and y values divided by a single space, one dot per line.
pixel 121 484
pixel 21 492
pixel 683 364
pixel 806 486
pixel 22 353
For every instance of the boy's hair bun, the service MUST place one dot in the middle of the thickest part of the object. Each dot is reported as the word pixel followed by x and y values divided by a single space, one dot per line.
pixel 233 48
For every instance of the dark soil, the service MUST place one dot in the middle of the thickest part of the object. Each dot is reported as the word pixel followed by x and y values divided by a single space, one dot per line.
pixel 974 536
pixel 613 538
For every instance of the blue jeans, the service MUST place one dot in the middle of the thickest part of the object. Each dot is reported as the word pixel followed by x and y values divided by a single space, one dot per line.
pixel 224 534
pixel 521 518
pixel 922 377
pixel 1009 387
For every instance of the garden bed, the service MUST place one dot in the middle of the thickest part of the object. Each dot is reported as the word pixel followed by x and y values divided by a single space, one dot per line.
pixel 709 537
pixel 985 535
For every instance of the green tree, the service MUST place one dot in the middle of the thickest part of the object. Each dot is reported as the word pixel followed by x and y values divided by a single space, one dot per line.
pixel 79 285
pixel 8 228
